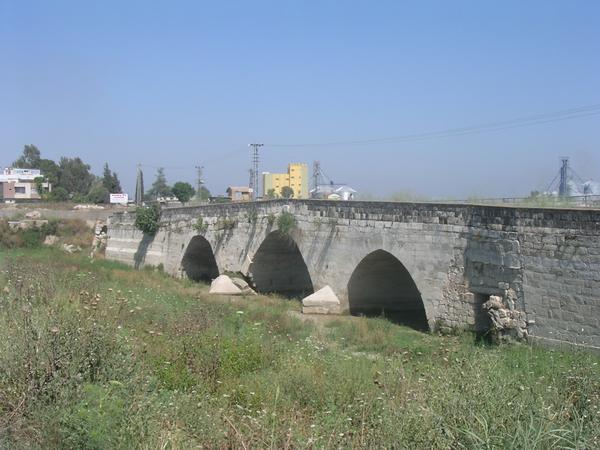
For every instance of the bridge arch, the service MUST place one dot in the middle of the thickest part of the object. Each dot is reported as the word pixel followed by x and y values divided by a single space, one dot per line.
pixel 278 267
pixel 199 263
pixel 381 285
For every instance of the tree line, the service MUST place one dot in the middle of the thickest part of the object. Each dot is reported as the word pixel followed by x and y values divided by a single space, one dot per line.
pixel 72 180
pixel 181 190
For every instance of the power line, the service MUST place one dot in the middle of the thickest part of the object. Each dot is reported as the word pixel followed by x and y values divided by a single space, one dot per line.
pixel 526 121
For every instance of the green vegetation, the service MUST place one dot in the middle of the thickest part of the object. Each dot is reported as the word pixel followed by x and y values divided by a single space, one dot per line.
pixel 286 222
pixel 147 219
pixel 71 178
pixel 225 223
pixel 200 226
pixel 252 215
pixel 183 191
pixel 203 194
pixel 287 192
pixel 159 188
pixel 73 231
pixel 96 355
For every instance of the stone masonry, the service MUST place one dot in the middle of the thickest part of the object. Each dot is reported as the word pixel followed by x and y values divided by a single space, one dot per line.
pixel 542 264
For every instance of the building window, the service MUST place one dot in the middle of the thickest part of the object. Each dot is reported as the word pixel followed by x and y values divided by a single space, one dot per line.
pixel 20 189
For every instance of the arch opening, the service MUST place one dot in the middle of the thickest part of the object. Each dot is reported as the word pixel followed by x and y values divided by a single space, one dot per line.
pixel 381 285
pixel 278 267
pixel 199 262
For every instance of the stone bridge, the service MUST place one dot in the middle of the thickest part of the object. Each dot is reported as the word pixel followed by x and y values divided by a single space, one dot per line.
pixel 418 263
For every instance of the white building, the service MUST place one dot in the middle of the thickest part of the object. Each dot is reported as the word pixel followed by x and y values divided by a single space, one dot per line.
pixel 19 184
pixel 333 191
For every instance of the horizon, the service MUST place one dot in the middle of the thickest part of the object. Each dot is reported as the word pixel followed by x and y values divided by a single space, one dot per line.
pixel 177 86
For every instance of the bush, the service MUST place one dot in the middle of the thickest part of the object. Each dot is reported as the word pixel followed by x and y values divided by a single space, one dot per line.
pixel 147 219
pixel 200 226
pixel 286 222
pixel 225 223
pixel 28 238
pixel 98 194
pixel 58 194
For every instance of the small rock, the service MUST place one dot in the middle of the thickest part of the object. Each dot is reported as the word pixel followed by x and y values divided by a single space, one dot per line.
pixel 244 287
pixel 33 215
pixel 50 239
pixel 70 248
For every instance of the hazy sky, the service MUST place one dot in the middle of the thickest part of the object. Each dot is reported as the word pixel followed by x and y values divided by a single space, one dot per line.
pixel 177 84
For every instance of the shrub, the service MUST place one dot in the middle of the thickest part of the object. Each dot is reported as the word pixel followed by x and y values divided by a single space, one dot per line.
pixel 147 219
pixel 286 222
pixel 200 226
pixel 252 215
pixel 29 238
pixel 225 223
pixel 58 194
pixel 98 194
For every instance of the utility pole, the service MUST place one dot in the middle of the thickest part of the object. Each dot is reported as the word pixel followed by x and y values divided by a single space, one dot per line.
pixel 251 181
pixel 254 175
pixel 563 187
pixel 199 182
pixel 316 176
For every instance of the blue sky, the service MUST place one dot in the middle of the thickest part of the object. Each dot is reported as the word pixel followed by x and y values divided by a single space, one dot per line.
pixel 176 84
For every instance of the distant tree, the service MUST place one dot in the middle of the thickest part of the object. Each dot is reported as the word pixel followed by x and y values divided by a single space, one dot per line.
pixel 50 171
pixel 203 194
pixel 287 192
pixel 75 176
pixel 159 188
pixel 110 181
pixel 183 191
pixel 271 194
pixel 97 193
pixel 30 159
pixel 58 194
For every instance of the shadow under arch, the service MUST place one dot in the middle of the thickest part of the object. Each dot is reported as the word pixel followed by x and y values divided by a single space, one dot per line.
pixel 278 267
pixel 199 262
pixel 381 285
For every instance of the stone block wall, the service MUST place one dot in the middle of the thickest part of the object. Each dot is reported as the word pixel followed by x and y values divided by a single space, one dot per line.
pixel 544 263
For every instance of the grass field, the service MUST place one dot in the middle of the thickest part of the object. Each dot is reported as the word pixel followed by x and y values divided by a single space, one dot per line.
pixel 97 355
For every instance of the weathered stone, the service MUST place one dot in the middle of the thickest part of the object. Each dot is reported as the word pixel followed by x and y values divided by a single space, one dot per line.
pixel 243 286
pixel 70 248
pixel 224 286
pixel 33 215
pixel 544 263
pixel 50 240
pixel 324 301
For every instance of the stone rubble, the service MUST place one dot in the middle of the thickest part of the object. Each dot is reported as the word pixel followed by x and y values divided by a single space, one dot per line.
pixel 33 215
pixel 100 238
pixel 50 240
pixel 243 285
pixel 507 321
pixel 70 248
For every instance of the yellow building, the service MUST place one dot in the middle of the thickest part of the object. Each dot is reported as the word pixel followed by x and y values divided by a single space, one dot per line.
pixel 296 178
